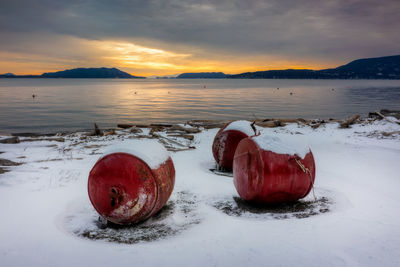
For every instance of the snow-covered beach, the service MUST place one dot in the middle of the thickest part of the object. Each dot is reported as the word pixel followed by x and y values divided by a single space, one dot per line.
pixel 47 218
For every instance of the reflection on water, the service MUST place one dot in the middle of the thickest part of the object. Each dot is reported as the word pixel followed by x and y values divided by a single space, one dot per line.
pixel 66 104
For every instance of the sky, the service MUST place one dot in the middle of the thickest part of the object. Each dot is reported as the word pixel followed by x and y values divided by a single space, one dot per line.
pixel 156 37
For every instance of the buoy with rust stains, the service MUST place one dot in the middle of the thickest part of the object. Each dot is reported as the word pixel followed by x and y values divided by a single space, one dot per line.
pixel 267 171
pixel 226 141
pixel 130 183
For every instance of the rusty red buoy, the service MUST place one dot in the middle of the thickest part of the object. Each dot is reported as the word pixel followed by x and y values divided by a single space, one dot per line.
pixel 267 171
pixel 131 182
pixel 226 141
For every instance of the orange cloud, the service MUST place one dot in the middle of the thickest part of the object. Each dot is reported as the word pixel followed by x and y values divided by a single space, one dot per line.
pixel 137 59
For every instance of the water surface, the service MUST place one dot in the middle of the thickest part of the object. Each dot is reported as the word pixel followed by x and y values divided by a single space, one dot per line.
pixel 70 104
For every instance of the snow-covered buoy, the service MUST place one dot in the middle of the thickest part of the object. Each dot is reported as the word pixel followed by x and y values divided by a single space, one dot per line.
pixel 226 141
pixel 131 182
pixel 265 170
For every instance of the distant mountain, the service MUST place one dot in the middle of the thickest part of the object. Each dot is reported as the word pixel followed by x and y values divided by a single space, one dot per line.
pixel 368 68
pixel 173 76
pixel 277 74
pixel 202 75
pixel 7 75
pixel 89 73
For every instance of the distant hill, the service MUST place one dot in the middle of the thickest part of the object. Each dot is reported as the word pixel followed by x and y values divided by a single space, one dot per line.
pixel 173 76
pixel 202 75
pixel 7 75
pixel 368 68
pixel 11 75
pixel 89 73
pixel 277 74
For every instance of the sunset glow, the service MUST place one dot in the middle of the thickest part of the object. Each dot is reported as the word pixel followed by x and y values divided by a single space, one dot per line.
pixel 141 60
pixel 148 38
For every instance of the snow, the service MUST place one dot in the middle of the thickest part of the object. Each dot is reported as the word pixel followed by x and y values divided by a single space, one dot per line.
pixel 392 119
pixel 150 151
pixel 274 144
pixel 45 208
pixel 242 126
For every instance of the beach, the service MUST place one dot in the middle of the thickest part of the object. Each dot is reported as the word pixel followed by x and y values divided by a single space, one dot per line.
pixel 353 219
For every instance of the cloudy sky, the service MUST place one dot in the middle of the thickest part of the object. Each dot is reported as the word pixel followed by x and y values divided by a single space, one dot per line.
pixel 156 37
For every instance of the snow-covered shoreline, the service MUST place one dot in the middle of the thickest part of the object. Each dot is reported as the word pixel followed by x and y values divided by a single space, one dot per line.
pixel 46 209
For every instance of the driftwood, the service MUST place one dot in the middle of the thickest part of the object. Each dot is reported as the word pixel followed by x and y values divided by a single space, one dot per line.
pixel 266 123
pixel 97 131
pixel 11 140
pixel 349 121
pixel 292 120
pixel 3 170
pixel 390 133
pixel 299 120
pixel 155 129
pixel 384 113
pixel 213 126
pixel 169 143
pixel 270 124
pixel 315 126
pixel 392 113
pixel 126 125
pixel 161 124
pixel 186 136
pixel 58 139
pixel 35 134
pixel 195 126
pixel 189 130
pixel 380 115
pixel 207 124
pixel 6 162
pixel 385 118
pixel 109 132
pixel 168 139
pixel 254 127
pixel 135 129
pixel 143 136
pixel 169 147
pixel 316 123
pixel 375 115
pixel 174 149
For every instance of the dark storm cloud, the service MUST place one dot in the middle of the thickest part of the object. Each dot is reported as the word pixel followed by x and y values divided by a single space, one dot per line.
pixel 309 28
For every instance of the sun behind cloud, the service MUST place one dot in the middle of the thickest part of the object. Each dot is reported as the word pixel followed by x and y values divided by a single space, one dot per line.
pixel 66 52
pixel 129 55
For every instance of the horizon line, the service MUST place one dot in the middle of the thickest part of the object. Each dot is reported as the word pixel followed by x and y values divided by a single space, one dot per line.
pixel 214 71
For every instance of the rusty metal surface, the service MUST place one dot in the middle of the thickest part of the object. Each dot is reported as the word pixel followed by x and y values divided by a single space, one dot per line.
pixel 124 190
pixel 266 177
pixel 224 146
pixel 165 180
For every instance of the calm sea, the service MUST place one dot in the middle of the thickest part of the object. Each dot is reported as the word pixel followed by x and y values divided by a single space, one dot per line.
pixel 70 104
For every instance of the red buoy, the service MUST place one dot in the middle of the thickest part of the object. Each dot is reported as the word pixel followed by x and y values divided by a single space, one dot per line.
pixel 226 141
pixel 127 188
pixel 267 171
